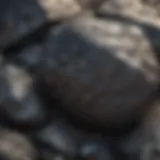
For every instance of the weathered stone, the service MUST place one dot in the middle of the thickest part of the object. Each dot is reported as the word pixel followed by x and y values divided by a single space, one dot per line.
pixel 61 137
pixel 19 102
pixel 15 146
pixel 141 10
pixel 19 18
pixel 103 71
pixel 144 142
pixel 60 9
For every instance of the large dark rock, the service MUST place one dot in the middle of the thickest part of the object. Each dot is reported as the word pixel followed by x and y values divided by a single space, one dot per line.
pixel 104 72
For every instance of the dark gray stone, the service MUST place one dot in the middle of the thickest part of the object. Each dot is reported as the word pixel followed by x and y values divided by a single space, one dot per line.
pixel 102 71
pixel 18 18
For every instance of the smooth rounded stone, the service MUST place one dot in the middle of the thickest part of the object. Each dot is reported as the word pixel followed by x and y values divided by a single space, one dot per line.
pixel 15 146
pixel 61 137
pixel 18 18
pixel 96 148
pixel 104 72
pixel 19 101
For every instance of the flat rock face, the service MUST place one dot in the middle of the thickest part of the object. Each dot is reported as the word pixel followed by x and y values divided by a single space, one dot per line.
pixel 103 71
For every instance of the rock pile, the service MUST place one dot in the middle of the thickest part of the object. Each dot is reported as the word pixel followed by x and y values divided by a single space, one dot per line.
pixel 79 79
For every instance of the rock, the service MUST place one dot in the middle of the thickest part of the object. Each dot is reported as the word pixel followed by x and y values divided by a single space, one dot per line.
pixel 153 4
pixel 140 10
pixel 19 18
pixel 19 101
pixel 16 146
pixel 96 67
pixel 96 148
pixel 60 137
pixel 150 146
pixel 60 9
pixel 90 4
pixel 144 142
